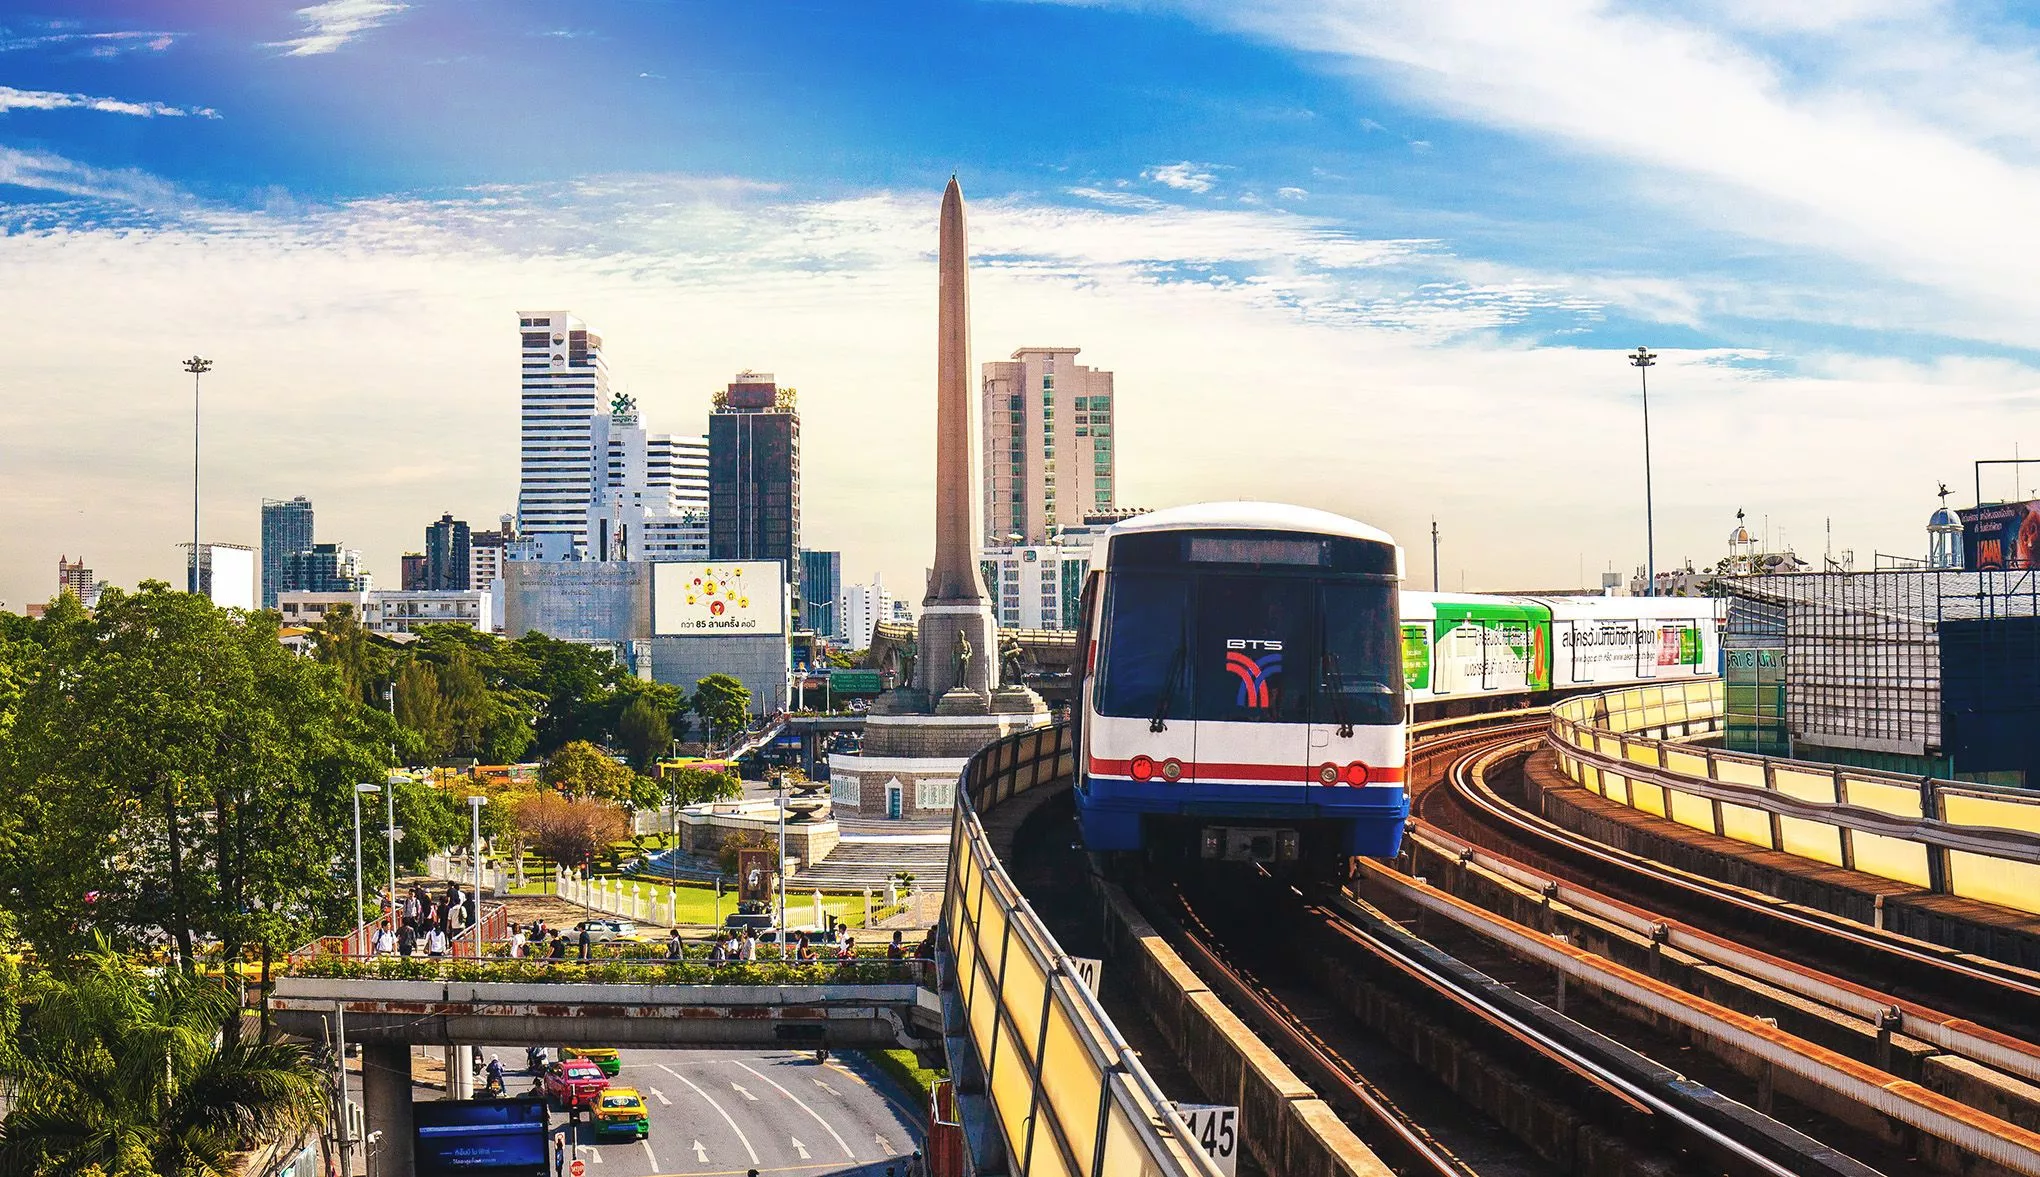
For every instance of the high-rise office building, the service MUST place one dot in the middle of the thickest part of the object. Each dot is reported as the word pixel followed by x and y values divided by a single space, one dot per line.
pixel 286 528
pixel 1048 463
pixel 652 502
pixel 485 553
pixel 862 607
pixel 754 474
pixel 821 579
pixel 446 554
pixel 326 568
pixel 563 384
pixel 76 579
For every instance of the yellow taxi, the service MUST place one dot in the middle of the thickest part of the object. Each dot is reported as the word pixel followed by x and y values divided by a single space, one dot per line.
pixel 605 1057
pixel 621 1111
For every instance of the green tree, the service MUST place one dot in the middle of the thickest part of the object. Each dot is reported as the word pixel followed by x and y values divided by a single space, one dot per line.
pixel 423 712
pixel 340 641
pixel 694 785
pixel 430 819
pixel 174 772
pixel 118 1072
pixel 581 770
pixel 724 704
pixel 644 732
pixel 572 683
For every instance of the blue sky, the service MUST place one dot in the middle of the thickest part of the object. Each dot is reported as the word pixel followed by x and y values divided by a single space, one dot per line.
pixel 1391 252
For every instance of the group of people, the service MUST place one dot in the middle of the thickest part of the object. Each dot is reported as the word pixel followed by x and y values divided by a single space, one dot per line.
pixel 539 942
pixel 422 922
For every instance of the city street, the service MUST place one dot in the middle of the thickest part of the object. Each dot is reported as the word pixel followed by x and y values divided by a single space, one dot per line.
pixel 728 1111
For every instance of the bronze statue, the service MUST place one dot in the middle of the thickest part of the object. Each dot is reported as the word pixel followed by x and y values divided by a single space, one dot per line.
pixel 963 652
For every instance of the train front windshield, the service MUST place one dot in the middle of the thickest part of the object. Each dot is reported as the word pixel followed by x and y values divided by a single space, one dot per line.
pixel 1278 643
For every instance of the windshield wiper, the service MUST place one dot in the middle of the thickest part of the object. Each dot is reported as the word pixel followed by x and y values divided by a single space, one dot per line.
pixel 1160 722
pixel 1337 678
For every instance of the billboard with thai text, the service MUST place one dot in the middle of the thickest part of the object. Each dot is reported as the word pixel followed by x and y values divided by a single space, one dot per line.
pixel 743 598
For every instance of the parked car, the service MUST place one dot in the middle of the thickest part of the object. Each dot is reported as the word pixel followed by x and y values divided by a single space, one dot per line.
pixel 606 1057
pixel 622 1111
pixel 573 1083
pixel 602 930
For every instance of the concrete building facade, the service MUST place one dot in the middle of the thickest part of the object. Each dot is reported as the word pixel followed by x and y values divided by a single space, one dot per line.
pixel 286 528
pixel 563 383
pixel 446 554
pixel 821 577
pixel 861 607
pixel 754 473
pixel 1048 456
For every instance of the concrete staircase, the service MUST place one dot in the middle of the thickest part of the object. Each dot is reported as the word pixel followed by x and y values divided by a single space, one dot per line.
pixel 854 865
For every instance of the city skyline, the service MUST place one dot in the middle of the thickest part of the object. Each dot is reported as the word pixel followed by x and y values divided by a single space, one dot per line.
pixel 1414 222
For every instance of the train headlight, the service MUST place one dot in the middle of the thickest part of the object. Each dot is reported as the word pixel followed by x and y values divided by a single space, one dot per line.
pixel 1328 774
pixel 1143 768
pixel 1356 773
pixel 1172 770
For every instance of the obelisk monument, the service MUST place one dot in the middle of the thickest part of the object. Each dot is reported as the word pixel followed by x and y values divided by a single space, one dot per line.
pixel 917 735
pixel 957 647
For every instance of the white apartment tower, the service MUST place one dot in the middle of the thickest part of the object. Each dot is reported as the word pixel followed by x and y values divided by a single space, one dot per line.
pixel 648 497
pixel 564 385
pixel 861 608
pixel 1047 445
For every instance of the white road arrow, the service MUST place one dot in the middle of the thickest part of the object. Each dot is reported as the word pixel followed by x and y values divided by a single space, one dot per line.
pixel 884 1145
pixel 745 1094
pixel 700 1152
pixel 823 1084
pixel 594 1154
pixel 660 1096
pixel 801 1149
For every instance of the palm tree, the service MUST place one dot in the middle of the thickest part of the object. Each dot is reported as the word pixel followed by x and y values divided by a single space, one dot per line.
pixel 133 1075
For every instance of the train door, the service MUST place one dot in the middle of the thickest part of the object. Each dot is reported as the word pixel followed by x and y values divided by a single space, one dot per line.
pixel 1144 729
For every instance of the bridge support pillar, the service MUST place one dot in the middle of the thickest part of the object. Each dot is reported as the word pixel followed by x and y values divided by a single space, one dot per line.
pixel 460 1075
pixel 810 747
pixel 386 1106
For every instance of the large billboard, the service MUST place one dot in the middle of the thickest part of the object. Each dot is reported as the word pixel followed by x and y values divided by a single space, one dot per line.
pixel 480 1138
pixel 742 598
pixel 2000 536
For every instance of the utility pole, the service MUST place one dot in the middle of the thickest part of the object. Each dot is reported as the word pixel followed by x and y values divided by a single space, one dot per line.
pixel 197 366
pixel 1434 553
pixel 1642 360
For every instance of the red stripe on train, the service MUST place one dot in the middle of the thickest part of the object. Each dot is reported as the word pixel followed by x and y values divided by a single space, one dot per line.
pixel 1302 774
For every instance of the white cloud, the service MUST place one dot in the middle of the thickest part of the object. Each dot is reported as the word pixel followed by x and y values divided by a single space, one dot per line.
pixel 1186 176
pixel 1292 194
pixel 333 23
pixel 96 44
pixel 13 99
pixel 1256 353
pixel 1887 134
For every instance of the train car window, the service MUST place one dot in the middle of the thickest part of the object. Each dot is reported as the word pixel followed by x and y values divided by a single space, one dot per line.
pixel 1360 673
pixel 1145 648
pixel 1252 655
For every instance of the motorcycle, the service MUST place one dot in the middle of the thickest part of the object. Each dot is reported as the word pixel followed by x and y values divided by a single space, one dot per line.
pixel 534 1059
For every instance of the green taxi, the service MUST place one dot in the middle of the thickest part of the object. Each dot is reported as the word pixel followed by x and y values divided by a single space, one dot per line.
pixel 621 1111
pixel 605 1057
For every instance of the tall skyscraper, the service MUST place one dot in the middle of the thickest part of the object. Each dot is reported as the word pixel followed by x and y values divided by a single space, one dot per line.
pixel 446 553
pixel 754 474
pixel 286 528
pixel 1047 445
pixel 564 383
pixel 651 502
pixel 821 579
pixel 861 607
pixel 325 568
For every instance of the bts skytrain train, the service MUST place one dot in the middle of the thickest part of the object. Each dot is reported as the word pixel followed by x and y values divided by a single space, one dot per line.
pixel 1248 670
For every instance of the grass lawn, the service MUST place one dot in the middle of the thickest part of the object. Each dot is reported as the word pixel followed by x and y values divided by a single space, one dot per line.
pixel 697 902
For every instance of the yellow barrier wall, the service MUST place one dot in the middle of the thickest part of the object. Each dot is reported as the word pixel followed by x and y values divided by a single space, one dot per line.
pixel 1631 726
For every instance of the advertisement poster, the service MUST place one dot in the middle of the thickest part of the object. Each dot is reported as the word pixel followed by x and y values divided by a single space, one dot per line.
pixel 742 598
pixel 497 1137
pixel 2000 536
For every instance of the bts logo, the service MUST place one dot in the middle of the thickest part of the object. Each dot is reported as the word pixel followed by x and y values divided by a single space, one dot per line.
pixel 1253 672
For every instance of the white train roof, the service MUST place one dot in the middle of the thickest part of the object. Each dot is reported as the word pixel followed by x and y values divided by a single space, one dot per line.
pixel 1249 516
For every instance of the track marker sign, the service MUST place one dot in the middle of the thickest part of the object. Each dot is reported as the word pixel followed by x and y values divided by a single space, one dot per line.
pixel 1215 1128
pixel 1087 972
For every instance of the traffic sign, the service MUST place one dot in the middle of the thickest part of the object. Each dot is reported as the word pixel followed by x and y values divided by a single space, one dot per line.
pixel 1214 1128
pixel 577 1168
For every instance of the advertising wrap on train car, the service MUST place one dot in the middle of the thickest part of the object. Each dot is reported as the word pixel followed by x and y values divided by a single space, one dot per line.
pixel 1623 649
pixel 2000 536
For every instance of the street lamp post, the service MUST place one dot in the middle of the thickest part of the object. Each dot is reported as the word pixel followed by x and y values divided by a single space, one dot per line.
pixel 390 830
pixel 197 366
pixel 1642 360
pixel 358 791
pixel 779 782
pixel 475 802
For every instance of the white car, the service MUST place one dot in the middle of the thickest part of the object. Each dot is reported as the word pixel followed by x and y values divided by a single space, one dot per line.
pixel 604 929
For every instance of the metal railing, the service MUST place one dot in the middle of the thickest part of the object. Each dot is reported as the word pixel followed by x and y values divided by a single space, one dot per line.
pixel 1632 747
pixel 1064 1091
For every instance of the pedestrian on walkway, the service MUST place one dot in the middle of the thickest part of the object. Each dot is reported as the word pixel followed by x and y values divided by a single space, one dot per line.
pixel 517 944
pixel 897 950
pixel 407 940
pixel 435 942
pixel 559 947
pixel 676 949
pixel 385 943
pixel 585 942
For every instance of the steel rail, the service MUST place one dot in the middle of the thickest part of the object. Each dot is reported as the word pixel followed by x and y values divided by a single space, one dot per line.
pixel 1539 830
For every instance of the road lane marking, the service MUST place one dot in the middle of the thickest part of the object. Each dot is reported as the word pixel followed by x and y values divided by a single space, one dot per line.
pixel 746 1094
pixel 649 1156
pixel 660 1096
pixel 718 1110
pixel 824 1085
pixel 799 1148
pixel 594 1154
pixel 847 1150
pixel 884 1144
pixel 700 1153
